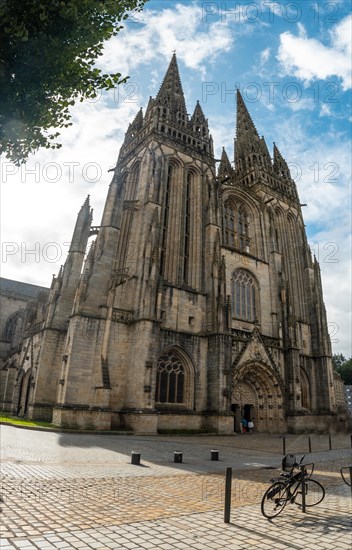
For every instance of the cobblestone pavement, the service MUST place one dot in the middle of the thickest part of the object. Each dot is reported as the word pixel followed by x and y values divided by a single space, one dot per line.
pixel 85 494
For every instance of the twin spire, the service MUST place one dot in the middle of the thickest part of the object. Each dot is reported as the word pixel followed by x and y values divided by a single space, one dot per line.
pixel 172 120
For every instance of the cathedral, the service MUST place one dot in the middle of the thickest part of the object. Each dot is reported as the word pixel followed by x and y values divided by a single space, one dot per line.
pixel 198 303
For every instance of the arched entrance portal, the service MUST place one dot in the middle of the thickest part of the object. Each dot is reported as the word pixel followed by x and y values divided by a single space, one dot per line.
pixel 257 395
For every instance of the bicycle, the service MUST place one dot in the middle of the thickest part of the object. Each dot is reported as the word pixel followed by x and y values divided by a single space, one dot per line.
pixel 287 488
pixel 344 475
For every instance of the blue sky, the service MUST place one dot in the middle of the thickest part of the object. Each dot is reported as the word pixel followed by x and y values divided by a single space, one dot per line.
pixel 292 63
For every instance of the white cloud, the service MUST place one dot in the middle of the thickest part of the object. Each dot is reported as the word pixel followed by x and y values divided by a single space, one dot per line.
pixel 308 58
pixel 304 103
pixel 274 8
pixel 264 55
pixel 181 28
pixel 325 110
pixel 47 191
pixel 341 36
pixel 301 30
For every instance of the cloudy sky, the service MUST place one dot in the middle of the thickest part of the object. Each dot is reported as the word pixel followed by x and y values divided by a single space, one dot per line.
pixel 291 61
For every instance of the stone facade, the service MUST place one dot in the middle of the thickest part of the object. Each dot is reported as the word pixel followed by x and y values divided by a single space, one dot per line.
pixel 199 301
pixel 21 306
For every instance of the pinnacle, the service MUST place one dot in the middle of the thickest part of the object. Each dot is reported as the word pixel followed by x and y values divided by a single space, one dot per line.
pixel 90 254
pixel 198 114
pixel 225 168
pixel 86 202
pixel 280 164
pixel 277 152
pixel 245 124
pixel 137 122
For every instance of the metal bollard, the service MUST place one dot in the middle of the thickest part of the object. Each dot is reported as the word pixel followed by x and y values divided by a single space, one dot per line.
pixel 309 444
pixel 303 486
pixel 330 446
pixel 214 455
pixel 228 483
pixel 178 457
pixel 283 445
pixel 135 458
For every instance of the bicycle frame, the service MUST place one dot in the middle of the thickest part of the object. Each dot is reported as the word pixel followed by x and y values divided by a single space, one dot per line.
pixel 292 481
pixel 292 486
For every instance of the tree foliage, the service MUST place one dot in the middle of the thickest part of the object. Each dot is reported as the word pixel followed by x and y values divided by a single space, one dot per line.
pixel 48 50
pixel 343 367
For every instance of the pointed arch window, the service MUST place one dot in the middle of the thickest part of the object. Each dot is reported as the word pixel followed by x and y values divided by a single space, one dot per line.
pixel 242 225
pixel 305 390
pixel 236 226
pixel 245 295
pixel 229 223
pixel 132 183
pixel 170 379
pixel 165 219
pixel 187 229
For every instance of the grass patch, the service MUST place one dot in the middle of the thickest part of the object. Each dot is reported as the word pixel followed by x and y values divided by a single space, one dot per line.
pixel 15 421
pixel 183 432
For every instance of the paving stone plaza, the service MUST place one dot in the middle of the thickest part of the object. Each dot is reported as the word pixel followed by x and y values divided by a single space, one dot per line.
pixel 67 490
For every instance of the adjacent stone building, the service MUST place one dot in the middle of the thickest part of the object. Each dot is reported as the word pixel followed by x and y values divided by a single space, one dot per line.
pixel 19 305
pixel 197 304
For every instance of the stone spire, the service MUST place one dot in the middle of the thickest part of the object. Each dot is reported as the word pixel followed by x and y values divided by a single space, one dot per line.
pixel 250 149
pixel 280 165
pixel 225 168
pixel 137 123
pixel 82 228
pixel 245 128
pixel 65 285
pixel 134 127
pixel 198 115
pixel 199 123
pixel 170 95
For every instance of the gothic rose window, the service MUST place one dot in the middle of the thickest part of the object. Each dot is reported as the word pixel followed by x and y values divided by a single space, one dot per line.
pixel 170 379
pixel 236 226
pixel 244 295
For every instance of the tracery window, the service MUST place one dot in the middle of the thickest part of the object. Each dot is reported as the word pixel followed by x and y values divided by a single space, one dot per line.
pixel 187 230
pixel 305 390
pixel 132 184
pixel 229 223
pixel 170 379
pixel 236 226
pixel 242 224
pixel 165 219
pixel 244 295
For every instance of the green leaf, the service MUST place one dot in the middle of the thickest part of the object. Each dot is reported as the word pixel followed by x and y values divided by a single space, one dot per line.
pixel 57 44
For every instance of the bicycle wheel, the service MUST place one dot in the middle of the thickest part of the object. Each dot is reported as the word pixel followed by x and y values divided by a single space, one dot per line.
pixel 314 493
pixel 274 499
pixel 345 474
